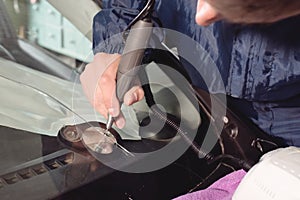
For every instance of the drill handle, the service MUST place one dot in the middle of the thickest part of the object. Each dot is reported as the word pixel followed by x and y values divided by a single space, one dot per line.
pixel 131 59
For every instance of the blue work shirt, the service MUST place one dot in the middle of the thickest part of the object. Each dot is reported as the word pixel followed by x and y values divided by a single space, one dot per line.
pixel 259 64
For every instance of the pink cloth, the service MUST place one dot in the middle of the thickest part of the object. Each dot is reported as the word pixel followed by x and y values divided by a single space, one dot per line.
pixel 222 189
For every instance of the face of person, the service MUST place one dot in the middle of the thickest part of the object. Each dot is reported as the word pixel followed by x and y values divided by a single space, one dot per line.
pixel 206 14
pixel 239 11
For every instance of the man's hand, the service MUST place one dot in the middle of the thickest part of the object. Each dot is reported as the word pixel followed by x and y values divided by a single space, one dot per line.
pixel 99 85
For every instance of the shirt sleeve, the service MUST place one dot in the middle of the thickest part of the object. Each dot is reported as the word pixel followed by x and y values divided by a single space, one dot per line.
pixel 111 21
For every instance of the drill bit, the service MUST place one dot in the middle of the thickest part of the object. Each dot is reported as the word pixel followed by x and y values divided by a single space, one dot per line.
pixel 109 122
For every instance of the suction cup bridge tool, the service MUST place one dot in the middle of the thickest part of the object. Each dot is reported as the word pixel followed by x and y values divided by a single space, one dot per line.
pixel 91 136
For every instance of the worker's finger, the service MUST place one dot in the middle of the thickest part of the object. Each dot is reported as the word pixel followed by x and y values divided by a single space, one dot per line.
pixel 91 80
pixel 100 107
pixel 120 121
pixel 134 95
pixel 108 87
pixel 93 93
